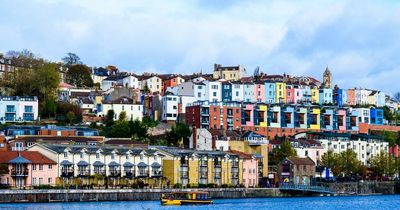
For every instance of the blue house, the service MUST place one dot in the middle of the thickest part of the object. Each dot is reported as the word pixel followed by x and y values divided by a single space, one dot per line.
pixel 325 96
pixel 226 91
pixel 270 92
pixel 287 119
pixel 377 117
pixel 338 97
pixel 248 95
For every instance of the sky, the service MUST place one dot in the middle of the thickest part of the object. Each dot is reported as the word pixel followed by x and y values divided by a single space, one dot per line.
pixel 357 40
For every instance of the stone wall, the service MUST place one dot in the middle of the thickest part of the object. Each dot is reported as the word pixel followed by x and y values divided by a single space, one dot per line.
pixel 364 188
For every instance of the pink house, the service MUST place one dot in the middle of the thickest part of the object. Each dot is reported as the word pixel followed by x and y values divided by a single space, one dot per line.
pixel 341 120
pixel 259 92
pixel 289 94
pixel 249 110
pixel 27 169
pixel 250 169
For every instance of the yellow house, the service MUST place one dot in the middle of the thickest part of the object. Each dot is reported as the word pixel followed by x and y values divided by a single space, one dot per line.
pixel 315 95
pixel 261 149
pixel 315 115
pixel 194 168
pixel 228 72
pixel 280 92
pixel 264 110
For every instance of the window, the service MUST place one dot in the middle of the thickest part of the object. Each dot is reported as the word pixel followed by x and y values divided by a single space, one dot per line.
pixel 34 181
pixel 50 166
pixel 112 156
pixel 50 180
pixel 40 181
pixel 28 109
pixel 34 167
pixel 40 167
pixel 214 94
pixel 97 155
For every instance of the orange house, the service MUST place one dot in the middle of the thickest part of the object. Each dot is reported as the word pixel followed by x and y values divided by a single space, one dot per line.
pixel 170 80
pixel 351 97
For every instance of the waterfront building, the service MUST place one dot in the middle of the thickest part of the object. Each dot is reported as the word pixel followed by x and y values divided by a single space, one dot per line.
pixel 233 73
pixel 290 91
pixel 18 109
pixel 27 169
pixel 314 95
pixel 296 170
pixel 308 148
pixel 326 96
pixel 250 169
pixel 82 162
pixel 200 168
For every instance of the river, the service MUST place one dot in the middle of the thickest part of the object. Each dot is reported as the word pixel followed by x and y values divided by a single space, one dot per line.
pixel 298 203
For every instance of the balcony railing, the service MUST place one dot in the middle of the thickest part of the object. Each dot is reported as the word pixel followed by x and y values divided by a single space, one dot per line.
pixel 83 172
pixel 114 173
pixel 20 172
pixel 100 172
pixel 143 174
pixel 67 173
pixel 129 174
pixel 156 174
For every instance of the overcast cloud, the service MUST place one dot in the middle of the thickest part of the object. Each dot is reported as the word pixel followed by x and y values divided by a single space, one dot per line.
pixel 358 40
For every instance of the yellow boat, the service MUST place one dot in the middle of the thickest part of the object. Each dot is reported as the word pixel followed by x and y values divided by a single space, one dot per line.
pixel 186 198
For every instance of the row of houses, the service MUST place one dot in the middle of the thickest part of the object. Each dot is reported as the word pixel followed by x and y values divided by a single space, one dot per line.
pixel 279 120
pixel 60 164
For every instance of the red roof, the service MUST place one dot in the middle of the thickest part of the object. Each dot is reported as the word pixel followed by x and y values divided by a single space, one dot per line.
pixel 65 85
pixel 241 154
pixel 33 156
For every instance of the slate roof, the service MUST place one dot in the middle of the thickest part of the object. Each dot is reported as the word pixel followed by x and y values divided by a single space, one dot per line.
pixel 19 160
pixel 98 163
pixel 128 164
pixel 113 163
pixel 301 161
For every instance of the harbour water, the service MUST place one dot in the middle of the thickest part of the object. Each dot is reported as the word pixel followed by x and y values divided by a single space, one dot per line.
pixel 309 203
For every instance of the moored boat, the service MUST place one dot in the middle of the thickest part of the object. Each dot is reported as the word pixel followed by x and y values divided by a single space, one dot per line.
pixel 186 198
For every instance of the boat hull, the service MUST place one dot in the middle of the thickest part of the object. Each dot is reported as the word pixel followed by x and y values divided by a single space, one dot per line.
pixel 167 202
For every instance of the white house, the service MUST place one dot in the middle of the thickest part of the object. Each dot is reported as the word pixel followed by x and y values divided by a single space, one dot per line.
pixel 213 91
pixel 153 83
pixel 125 80
pixel 201 139
pixel 123 104
pixel 237 91
pixel 199 91
pixel 170 109
pixel 18 109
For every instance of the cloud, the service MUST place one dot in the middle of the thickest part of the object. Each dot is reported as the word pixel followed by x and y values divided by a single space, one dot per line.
pixel 358 40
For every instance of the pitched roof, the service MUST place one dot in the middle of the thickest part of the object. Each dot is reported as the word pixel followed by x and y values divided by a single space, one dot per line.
pixel 242 154
pixel 301 161
pixel 33 156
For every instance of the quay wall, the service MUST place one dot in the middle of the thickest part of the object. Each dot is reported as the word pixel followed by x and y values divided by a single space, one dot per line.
pixel 365 188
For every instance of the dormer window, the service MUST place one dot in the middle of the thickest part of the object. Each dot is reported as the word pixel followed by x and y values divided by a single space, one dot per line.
pixel 97 155
pixel 141 157
pixel 112 156
pixel 82 155
pixel 65 154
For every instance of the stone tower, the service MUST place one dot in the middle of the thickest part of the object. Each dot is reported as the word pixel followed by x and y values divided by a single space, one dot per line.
pixel 327 78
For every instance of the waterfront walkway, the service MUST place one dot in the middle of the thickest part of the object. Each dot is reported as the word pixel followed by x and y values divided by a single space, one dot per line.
pixel 304 189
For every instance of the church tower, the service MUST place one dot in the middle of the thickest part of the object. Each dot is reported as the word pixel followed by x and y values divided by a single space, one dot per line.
pixel 327 78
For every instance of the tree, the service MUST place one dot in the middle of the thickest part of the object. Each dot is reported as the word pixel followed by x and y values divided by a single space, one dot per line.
pixel 383 165
pixel 390 137
pixel 109 121
pixel 71 59
pixel 349 164
pixel 70 117
pixel 388 114
pixel 63 108
pixel 331 161
pixel 120 130
pixel 79 75
pixel 284 150
pixel 177 134
pixel 138 130
pixel 122 116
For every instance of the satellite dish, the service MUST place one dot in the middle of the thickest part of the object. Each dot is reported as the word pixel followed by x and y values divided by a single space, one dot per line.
pixel 256 71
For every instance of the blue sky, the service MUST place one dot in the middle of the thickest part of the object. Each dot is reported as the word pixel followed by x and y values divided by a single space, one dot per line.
pixel 358 40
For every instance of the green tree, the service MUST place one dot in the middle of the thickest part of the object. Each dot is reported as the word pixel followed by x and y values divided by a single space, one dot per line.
pixel 138 130
pixel 390 137
pixel 383 165
pixel 120 130
pixel 79 75
pixel 122 116
pixel 388 114
pixel 331 160
pixel 284 150
pixel 70 117
pixel 63 108
pixel 47 79
pixel 349 164
pixel 109 121
pixel 178 134
pixel 71 59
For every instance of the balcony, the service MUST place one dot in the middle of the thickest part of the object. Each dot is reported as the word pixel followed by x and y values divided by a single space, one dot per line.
pixel 143 174
pixel 19 172
pixel 67 173
pixel 114 173
pixel 156 174
pixel 129 173
pixel 83 173
pixel 100 172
